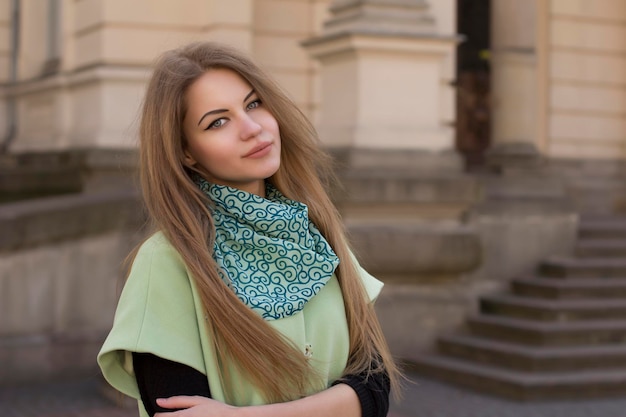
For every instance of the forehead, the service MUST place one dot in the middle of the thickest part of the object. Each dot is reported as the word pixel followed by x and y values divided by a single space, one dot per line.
pixel 217 86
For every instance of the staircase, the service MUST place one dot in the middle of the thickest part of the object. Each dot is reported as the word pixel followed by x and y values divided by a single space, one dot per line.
pixel 560 334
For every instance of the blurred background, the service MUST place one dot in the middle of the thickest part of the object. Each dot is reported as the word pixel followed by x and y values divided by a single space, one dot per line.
pixel 480 150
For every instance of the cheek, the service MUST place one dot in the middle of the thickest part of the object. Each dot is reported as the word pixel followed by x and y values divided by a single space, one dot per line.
pixel 201 151
pixel 211 155
pixel 276 131
pixel 269 122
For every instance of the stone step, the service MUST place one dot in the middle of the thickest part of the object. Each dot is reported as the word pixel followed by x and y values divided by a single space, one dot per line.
pixel 573 288
pixel 401 186
pixel 602 228
pixel 532 358
pixel 568 267
pixel 553 310
pixel 522 385
pixel 594 248
pixel 41 221
pixel 408 249
pixel 538 333
pixel 39 174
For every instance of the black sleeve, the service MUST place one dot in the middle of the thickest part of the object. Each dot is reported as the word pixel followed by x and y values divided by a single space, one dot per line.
pixel 161 378
pixel 373 392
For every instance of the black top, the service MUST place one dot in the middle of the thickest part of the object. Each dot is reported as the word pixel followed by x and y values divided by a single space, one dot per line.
pixel 161 378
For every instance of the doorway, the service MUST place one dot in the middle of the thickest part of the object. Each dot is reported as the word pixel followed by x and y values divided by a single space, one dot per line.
pixel 473 114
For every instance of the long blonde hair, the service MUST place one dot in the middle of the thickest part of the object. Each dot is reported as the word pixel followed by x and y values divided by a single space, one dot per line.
pixel 178 208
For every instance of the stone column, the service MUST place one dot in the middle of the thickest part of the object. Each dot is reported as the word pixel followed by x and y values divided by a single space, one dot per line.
pixel 387 103
pixel 513 83
pixel 5 44
pixel 7 73
pixel 525 214
pixel 386 72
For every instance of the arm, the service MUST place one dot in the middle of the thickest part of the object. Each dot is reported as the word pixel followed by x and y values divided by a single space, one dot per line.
pixel 373 392
pixel 158 378
pixel 161 378
pixel 339 400
pixel 352 396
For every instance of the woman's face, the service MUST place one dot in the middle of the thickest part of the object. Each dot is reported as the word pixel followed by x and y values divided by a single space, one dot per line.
pixel 231 137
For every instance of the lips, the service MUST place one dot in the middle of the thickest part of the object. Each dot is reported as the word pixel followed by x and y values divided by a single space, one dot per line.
pixel 258 150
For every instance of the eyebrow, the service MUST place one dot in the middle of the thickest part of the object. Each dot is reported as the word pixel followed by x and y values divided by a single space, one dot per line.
pixel 218 111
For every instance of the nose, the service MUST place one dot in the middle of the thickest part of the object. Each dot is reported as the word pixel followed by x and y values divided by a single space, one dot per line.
pixel 250 128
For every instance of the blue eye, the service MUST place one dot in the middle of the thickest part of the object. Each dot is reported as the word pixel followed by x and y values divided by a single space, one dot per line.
pixel 217 123
pixel 254 104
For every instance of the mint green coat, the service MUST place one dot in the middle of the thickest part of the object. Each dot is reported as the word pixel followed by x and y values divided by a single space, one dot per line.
pixel 160 312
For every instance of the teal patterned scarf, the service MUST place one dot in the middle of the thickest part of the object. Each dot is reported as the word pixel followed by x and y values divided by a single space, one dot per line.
pixel 267 250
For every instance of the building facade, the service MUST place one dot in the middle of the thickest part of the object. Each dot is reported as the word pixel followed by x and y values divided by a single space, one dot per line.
pixel 441 215
pixel 556 66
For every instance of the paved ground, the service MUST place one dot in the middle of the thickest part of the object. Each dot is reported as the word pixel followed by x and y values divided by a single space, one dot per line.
pixel 76 398
pixel 423 398
pixel 427 398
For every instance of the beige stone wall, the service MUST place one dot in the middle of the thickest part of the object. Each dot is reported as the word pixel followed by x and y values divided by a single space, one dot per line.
pixel 5 38
pixel 57 303
pixel 5 53
pixel 279 27
pixel 117 32
pixel 585 79
pixel 513 73
pixel 107 47
pixel 387 84
pixel 70 287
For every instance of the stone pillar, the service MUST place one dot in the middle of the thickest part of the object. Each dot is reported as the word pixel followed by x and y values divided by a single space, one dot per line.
pixel 7 73
pixel 386 72
pixel 387 112
pixel 5 44
pixel 525 214
pixel 387 107
pixel 514 83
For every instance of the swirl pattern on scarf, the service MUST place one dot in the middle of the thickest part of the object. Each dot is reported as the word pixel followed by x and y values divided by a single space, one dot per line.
pixel 267 249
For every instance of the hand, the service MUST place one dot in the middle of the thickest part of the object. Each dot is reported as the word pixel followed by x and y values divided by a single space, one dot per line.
pixel 195 406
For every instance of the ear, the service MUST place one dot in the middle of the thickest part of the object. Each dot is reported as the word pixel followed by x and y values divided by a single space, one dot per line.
pixel 188 159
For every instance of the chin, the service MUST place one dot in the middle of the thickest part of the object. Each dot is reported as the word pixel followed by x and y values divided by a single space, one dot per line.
pixel 270 174
pixel 272 170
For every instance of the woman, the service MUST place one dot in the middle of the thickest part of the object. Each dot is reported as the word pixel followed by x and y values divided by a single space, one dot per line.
pixel 247 299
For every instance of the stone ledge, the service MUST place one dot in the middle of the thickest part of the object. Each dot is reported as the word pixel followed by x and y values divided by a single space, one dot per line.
pixel 541 208
pixel 403 161
pixel 36 174
pixel 416 250
pixel 401 176
pixel 413 316
pixel 53 219
pixel 39 358
pixel 364 188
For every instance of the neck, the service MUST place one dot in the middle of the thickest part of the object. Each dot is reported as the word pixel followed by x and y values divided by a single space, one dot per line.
pixel 257 188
